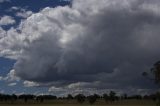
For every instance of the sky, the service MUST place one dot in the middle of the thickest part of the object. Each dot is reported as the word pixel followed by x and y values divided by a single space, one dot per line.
pixel 65 47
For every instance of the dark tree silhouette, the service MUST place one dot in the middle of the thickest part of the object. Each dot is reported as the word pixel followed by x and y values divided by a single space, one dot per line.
pixel 80 98
pixel 92 98
pixel 49 97
pixel 125 96
pixel 14 98
pixel 69 97
pixel 106 97
pixel 26 97
pixel 138 97
pixel 97 96
pixel 112 96
pixel 155 71
pixel 40 98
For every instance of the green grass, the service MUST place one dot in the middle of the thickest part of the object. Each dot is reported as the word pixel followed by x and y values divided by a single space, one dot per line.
pixel 74 103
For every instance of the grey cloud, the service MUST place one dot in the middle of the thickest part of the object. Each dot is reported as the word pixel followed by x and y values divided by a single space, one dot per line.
pixel 2 32
pixel 6 20
pixel 108 41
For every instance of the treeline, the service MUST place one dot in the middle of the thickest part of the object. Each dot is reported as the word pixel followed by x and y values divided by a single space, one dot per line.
pixel 26 97
pixel 108 97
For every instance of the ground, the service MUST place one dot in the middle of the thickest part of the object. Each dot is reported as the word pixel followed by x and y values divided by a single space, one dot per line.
pixel 74 103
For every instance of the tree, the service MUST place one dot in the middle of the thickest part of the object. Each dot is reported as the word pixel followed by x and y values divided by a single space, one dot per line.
pixel 155 71
pixel 40 98
pixel 69 97
pixel 92 98
pixel 26 97
pixel 112 96
pixel 13 98
pixel 125 96
pixel 80 98
pixel 106 97
pixel 97 96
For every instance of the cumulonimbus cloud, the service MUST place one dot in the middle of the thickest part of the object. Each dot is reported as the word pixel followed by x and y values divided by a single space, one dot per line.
pixel 107 41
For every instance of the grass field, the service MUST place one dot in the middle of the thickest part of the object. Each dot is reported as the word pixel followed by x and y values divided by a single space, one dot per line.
pixel 74 103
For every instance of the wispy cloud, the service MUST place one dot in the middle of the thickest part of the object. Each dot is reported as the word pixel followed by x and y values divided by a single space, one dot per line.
pixel 30 84
pixel 12 84
pixel 24 14
pixel 21 11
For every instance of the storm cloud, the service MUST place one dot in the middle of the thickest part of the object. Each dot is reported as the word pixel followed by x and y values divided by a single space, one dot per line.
pixel 103 44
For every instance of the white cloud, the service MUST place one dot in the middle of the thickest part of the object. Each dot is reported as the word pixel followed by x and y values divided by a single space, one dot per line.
pixel 12 84
pixel 7 20
pixel 65 91
pixel 90 91
pixel 30 84
pixel 55 89
pixel 14 8
pixel 7 48
pixel 11 76
pixel 24 14
pixel 79 85
pixel 21 12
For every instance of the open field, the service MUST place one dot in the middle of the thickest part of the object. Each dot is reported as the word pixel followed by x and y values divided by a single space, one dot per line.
pixel 74 103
